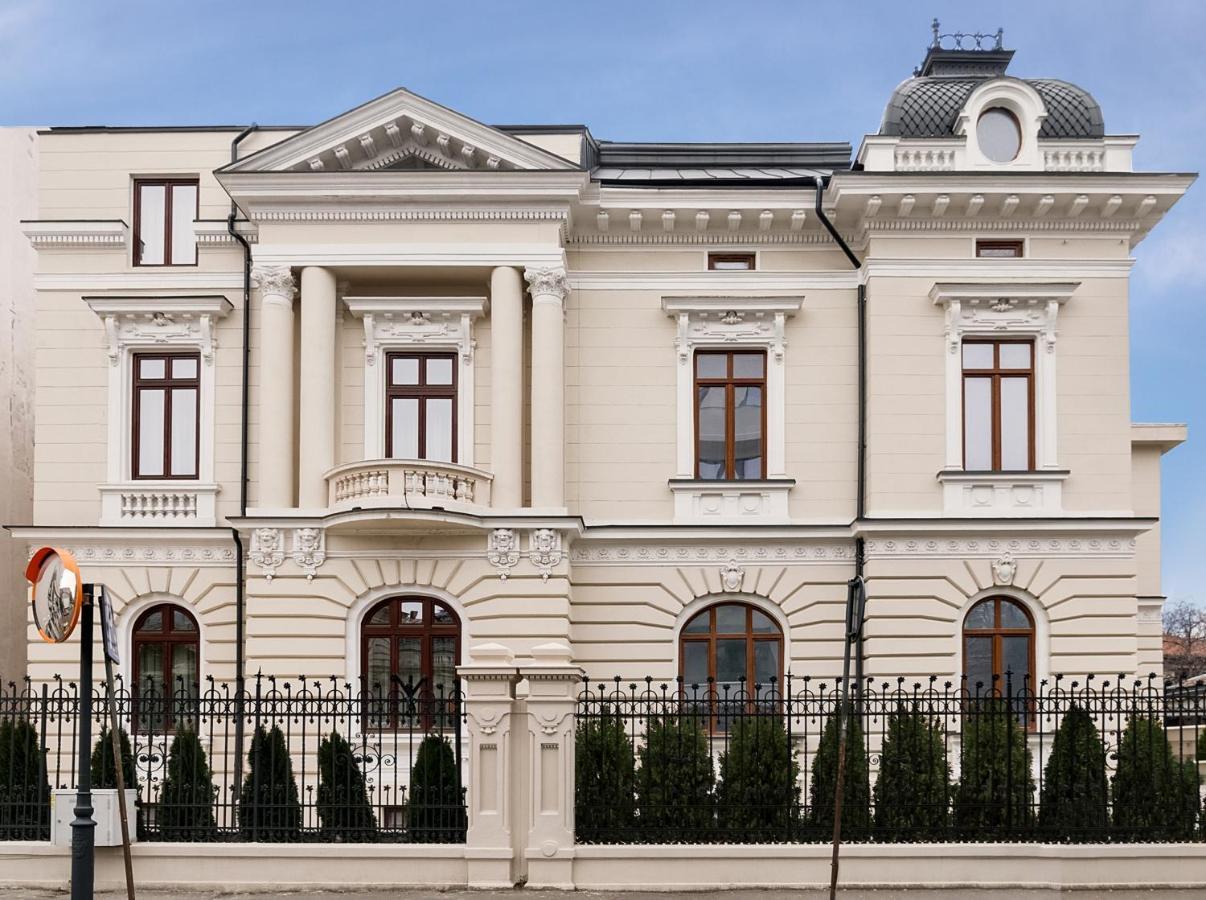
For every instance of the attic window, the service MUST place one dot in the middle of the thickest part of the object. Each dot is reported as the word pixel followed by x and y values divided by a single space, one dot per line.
pixel 999 249
pixel 731 262
pixel 999 134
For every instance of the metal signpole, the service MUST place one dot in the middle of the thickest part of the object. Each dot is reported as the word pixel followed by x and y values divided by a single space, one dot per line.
pixel 109 642
pixel 83 828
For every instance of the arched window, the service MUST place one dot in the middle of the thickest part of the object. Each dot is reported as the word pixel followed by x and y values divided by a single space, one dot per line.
pixel 731 643
pixel 998 640
pixel 410 650
pixel 166 665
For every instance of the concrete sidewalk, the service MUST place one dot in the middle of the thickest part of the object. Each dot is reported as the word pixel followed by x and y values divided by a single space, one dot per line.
pixel 519 894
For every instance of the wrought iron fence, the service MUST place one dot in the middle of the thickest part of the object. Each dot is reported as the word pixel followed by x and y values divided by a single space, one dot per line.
pixel 311 760
pixel 1084 759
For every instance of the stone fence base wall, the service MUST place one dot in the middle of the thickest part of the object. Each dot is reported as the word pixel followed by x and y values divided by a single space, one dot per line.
pixel 274 867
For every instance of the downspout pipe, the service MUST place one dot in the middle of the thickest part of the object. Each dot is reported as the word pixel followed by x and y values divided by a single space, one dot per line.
pixel 240 596
pixel 240 586
pixel 856 596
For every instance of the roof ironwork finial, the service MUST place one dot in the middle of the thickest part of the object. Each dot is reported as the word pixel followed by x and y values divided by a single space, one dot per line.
pixel 956 40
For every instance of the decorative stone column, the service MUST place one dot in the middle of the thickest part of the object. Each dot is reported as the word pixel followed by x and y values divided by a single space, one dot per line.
pixel 553 682
pixel 549 289
pixel 506 388
pixel 316 409
pixel 489 681
pixel 275 434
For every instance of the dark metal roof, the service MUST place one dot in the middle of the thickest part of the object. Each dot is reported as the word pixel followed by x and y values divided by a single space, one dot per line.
pixel 712 164
pixel 930 106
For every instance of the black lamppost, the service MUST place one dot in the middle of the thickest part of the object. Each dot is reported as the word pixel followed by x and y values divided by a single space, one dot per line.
pixel 83 828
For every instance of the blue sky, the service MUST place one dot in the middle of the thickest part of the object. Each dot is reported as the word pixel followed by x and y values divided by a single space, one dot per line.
pixel 669 70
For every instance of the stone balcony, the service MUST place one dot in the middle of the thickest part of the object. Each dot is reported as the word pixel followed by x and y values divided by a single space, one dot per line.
pixel 408 483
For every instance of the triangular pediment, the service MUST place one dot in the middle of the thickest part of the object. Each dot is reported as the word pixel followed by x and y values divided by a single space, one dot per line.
pixel 400 130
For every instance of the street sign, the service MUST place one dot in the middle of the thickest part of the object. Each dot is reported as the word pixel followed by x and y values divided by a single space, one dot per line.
pixel 108 627
pixel 55 592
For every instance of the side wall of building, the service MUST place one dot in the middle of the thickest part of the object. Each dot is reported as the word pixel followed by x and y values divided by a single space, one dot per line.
pixel 18 200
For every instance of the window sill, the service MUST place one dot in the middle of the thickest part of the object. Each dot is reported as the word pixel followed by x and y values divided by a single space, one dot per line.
pixel 699 502
pixel 1002 494
pixel 175 502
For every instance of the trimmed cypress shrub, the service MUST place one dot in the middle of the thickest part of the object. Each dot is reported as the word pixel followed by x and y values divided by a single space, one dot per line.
pixel 675 784
pixel 995 789
pixel 913 791
pixel 269 809
pixel 758 796
pixel 1155 797
pixel 604 786
pixel 104 770
pixel 24 787
pixel 856 792
pixel 343 804
pixel 1201 754
pixel 185 810
pixel 1074 799
pixel 436 809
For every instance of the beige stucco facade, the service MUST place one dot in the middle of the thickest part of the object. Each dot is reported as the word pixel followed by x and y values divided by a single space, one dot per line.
pixel 574 301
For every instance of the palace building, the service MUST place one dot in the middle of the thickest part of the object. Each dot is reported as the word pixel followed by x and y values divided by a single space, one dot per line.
pixel 359 399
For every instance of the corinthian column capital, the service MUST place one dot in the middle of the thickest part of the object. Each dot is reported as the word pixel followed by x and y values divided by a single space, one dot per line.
pixel 275 281
pixel 547 283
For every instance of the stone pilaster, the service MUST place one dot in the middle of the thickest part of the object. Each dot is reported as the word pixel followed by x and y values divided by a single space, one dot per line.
pixel 549 289
pixel 275 434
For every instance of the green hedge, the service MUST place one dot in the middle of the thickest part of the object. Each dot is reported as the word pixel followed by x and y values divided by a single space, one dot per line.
pixel 436 807
pixel 1154 796
pixel 269 809
pixel 344 810
pixel 913 791
pixel 758 795
pixel 1073 801
pixel 24 787
pixel 185 811
pixel 604 782
pixel 675 784
pixel 856 791
pixel 995 790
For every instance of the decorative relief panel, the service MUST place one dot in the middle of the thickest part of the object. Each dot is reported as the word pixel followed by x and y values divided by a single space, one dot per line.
pixel 159 321
pixel 994 547
pixel 632 553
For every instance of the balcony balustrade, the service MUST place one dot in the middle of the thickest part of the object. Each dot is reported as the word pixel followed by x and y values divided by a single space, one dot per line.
pixel 413 483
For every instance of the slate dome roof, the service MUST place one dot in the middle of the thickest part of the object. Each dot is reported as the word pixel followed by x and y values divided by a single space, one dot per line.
pixel 928 104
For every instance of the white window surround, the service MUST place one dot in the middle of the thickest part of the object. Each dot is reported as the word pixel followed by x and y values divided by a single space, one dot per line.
pixel 416 323
pixel 148 325
pixel 727 323
pixel 1020 99
pixel 994 310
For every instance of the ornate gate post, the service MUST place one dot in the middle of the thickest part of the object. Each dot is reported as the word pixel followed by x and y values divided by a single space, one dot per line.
pixel 489 681
pixel 552 682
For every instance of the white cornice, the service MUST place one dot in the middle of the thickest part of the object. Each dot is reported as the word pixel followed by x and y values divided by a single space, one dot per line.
pixel 986 291
pixel 1000 270
pixel 100 234
pixel 730 284
pixel 125 547
pixel 215 231
pixel 861 184
pixel 687 237
pixel 359 306
pixel 154 281
pixel 409 254
pixel 411 213
pixel 201 305
pixel 721 304
pixel 152 321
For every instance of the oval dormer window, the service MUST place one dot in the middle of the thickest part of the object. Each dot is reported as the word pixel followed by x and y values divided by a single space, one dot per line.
pixel 999 135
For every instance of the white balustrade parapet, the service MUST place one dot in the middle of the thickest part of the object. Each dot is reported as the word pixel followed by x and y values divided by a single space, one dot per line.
pixel 416 483
pixel 185 503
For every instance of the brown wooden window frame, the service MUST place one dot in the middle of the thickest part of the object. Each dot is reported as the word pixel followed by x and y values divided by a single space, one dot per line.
pixel 996 373
pixel 998 633
pixel 750 259
pixel 1017 248
pixel 730 383
pixel 170 638
pixel 169 386
pixel 426 631
pixel 421 392
pixel 168 185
